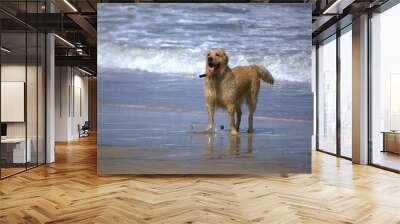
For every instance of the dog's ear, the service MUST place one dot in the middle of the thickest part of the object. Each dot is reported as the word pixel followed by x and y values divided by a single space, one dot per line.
pixel 226 58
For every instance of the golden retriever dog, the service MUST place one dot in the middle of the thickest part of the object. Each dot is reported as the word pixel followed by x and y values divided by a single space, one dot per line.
pixel 228 88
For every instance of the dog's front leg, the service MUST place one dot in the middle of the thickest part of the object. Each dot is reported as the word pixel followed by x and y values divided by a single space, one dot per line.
pixel 210 111
pixel 231 111
pixel 238 117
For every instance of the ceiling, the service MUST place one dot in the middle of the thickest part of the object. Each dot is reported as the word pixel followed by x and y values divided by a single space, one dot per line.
pixel 75 22
pixel 330 15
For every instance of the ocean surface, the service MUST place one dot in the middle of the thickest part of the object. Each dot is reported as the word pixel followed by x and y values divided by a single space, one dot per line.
pixel 149 93
pixel 171 39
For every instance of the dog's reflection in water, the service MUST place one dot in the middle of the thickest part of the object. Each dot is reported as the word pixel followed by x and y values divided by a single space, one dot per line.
pixel 233 147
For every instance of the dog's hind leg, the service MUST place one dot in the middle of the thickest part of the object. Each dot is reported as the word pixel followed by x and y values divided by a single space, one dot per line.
pixel 252 107
pixel 252 104
pixel 238 117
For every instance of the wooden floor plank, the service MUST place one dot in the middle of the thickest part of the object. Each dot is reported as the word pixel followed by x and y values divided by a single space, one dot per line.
pixel 70 191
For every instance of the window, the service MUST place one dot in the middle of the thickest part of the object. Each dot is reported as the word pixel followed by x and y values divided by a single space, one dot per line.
pixel 346 93
pixel 385 89
pixel 327 96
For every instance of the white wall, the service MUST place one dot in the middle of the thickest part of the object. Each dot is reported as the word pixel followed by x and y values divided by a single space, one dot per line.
pixel 62 82
pixel 16 73
pixel 71 94
pixel 33 126
pixel 80 108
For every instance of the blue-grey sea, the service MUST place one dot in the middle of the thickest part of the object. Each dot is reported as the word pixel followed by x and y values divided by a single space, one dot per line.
pixel 149 93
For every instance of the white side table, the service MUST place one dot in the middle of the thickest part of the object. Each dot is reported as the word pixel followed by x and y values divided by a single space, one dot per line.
pixel 19 152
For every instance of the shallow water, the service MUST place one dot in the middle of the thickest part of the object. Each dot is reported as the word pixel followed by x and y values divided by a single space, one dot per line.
pixel 146 119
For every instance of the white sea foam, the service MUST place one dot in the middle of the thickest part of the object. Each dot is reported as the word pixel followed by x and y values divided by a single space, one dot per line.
pixel 191 61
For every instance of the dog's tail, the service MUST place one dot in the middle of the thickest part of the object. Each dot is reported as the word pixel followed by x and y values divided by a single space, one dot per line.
pixel 264 74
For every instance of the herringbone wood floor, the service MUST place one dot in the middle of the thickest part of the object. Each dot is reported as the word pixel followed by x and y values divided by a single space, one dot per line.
pixel 69 191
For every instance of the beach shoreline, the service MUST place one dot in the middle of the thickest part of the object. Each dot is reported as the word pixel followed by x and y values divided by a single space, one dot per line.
pixel 147 119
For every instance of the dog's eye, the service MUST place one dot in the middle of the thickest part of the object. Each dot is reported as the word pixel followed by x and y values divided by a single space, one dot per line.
pixel 218 55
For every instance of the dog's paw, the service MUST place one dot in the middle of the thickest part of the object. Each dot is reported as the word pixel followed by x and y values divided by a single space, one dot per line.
pixel 234 132
pixel 210 129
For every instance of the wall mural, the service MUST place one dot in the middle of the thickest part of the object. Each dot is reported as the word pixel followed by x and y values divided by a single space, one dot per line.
pixel 204 88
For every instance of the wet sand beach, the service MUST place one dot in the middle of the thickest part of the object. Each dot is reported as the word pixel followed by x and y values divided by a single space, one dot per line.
pixel 149 132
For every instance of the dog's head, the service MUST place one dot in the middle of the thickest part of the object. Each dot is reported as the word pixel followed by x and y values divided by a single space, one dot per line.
pixel 216 62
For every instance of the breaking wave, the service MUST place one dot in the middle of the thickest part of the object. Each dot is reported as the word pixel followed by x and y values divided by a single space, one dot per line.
pixel 189 62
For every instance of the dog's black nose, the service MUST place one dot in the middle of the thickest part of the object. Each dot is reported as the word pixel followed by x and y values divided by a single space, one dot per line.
pixel 209 59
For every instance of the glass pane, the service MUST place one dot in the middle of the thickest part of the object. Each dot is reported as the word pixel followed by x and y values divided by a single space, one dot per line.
pixel 41 99
pixel 386 89
pixel 346 93
pixel 32 87
pixel 13 86
pixel 31 97
pixel 22 89
pixel 327 96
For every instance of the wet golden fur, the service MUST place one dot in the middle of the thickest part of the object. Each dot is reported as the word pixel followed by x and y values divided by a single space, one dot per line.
pixel 229 88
